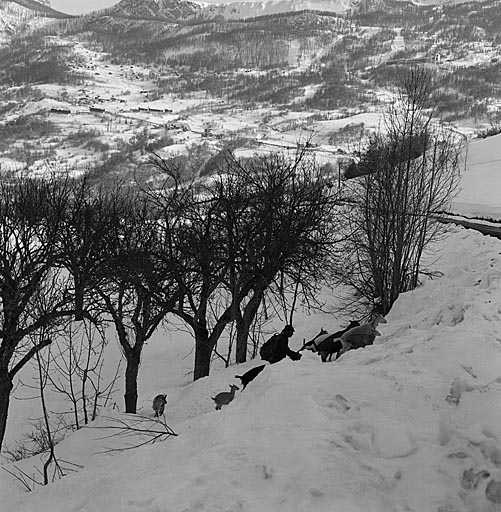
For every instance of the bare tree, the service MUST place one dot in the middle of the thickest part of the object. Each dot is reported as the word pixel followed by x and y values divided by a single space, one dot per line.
pixel 201 265
pixel 47 434
pixel 409 174
pixel 90 220
pixel 52 460
pixel 137 288
pixel 238 232
pixel 30 217
pixel 77 364
pixel 291 233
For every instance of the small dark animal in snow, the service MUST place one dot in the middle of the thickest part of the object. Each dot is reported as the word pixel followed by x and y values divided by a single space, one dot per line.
pixel 250 375
pixel 226 397
pixel 159 403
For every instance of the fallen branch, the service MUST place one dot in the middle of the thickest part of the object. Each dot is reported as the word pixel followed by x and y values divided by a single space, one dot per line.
pixel 159 431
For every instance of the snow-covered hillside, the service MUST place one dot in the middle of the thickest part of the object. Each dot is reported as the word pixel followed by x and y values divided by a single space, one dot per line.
pixel 411 423
pixel 250 9
pixel 480 194
pixel 12 18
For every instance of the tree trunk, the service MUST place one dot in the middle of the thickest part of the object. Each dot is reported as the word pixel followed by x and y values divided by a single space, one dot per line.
pixel 244 323
pixel 79 298
pixel 132 354
pixel 203 353
pixel 5 389
pixel 131 372
pixel 242 337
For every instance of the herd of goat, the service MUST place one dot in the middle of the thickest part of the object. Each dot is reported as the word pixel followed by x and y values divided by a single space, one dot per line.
pixel 353 337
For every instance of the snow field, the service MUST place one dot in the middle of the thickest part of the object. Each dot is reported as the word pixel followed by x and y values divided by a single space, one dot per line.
pixel 408 424
pixel 480 194
pixel 412 423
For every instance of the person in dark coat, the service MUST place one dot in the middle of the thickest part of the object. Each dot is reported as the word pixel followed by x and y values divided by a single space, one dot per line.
pixel 282 346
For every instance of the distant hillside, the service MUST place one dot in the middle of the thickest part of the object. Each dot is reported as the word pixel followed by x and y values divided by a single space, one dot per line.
pixel 177 11
pixel 17 16
pixel 181 10
pixel 167 10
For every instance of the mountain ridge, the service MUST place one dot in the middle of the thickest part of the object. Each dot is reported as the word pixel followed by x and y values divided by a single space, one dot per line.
pixel 163 10
pixel 187 10
pixel 178 11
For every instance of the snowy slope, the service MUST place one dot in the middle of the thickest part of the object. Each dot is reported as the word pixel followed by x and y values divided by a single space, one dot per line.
pixel 11 17
pixel 14 17
pixel 250 9
pixel 412 423
pixel 480 193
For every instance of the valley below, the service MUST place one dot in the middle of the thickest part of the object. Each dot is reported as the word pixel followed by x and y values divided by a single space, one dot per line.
pixel 98 94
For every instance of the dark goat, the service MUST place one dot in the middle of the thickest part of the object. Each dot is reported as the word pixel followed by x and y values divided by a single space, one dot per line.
pixel 159 403
pixel 328 344
pixel 332 344
pixel 225 397
pixel 250 375
pixel 312 344
pixel 328 347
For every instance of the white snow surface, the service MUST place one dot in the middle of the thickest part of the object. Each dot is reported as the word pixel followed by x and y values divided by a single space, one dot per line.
pixel 480 194
pixel 231 9
pixel 398 426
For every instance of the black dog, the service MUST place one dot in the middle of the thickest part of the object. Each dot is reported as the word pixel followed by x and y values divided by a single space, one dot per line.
pixel 250 375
